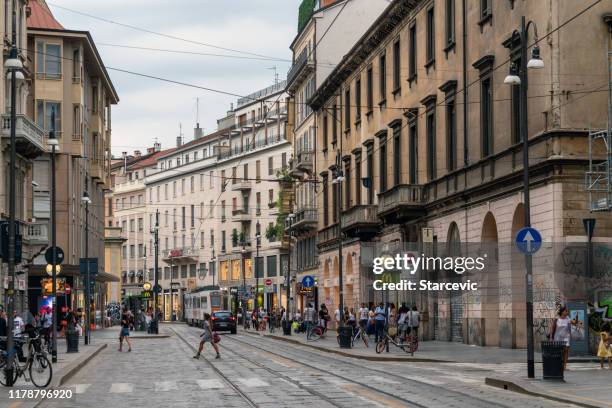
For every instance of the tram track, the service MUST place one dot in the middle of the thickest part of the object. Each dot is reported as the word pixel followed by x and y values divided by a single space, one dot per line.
pixel 435 388
pixel 223 377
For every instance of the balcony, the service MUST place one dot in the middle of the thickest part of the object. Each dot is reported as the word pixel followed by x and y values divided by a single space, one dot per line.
pixel 98 170
pixel 300 69
pixel 37 233
pixel 327 235
pixel 361 221
pixel 31 140
pixel 241 185
pixel 305 219
pixel 401 203
pixel 241 248
pixel 293 170
pixel 241 215
pixel 180 254
pixel 304 160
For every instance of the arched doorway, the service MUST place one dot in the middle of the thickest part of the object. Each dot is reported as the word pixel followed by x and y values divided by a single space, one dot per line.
pixel 490 281
pixel 332 303
pixel 514 328
pixel 456 303
pixel 325 283
pixel 348 281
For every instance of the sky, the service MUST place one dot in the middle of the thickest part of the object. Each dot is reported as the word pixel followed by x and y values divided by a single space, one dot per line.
pixel 151 109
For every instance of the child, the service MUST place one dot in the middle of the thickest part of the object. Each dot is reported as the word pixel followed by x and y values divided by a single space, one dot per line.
pixel 605 349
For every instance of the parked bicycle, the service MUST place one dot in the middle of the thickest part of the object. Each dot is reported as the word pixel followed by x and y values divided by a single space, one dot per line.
pixel 358 333
pixel 409 344
pixel 35 366
pixel 315 333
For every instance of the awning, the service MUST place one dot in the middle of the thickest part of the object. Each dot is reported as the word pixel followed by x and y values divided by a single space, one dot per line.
pixel 105 277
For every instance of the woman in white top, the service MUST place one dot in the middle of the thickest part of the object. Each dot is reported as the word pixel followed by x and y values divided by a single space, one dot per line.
pixel 562 331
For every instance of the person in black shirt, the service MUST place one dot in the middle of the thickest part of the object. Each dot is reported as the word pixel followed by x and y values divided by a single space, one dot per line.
pixel 125 330
pixel 3 325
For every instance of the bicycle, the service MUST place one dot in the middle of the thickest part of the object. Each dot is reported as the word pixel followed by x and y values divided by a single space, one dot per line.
pixel 315 333
pixel 36 364
pixel 409 344
pixel 358 333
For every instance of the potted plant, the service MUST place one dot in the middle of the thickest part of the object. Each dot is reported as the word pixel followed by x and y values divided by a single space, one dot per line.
pixel 241 238
pixel 271 232
pixel 234 238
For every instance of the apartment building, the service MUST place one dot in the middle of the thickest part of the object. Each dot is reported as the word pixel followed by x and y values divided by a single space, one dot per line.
pixel 325 34
pixel 31 143
pixel 418 121
pixel 214 194
pixel 71 85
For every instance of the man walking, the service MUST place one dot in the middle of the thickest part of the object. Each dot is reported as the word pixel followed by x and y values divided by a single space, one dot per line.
pixel 379 320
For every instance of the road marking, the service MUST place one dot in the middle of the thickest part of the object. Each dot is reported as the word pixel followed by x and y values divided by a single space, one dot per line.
pixel 423 380
pixel 289 383
pixel 210 384
pixel 81 388
pixel 253 382
pixel 118 388
pixel 165 386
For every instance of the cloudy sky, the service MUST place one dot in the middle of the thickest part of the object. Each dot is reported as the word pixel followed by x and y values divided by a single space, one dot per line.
pixel 151 109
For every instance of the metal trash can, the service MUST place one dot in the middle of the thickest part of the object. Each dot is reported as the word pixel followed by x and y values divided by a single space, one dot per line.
pixel 287 327
pixel 552 360
pixel 345 334
pixel 72 341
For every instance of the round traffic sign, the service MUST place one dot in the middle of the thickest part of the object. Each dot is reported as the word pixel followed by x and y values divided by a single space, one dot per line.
pixel 528 240
pixel 59 255
pixel 268 282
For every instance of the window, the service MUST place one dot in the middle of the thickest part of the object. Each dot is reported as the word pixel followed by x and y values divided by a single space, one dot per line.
pixel 358 101
pixel 397 154
pixel 192 183
pixel 183 271
pixel 77 122
pixel 431 37
pixel 486 116
pixel 271 201
pixel 174 189
pixel 270 166
pixel 222 180
pixel 212 239
pixel 124 253
pixel 245 172
pixel 325 200
pixel 431 142
pixel 166 218
pixel 485 10
pixel 258 203
pixel 383 78
pixel 412 154
pixel 382 161
pixel 347 109
pixel 183 189
pixel 132 251
pixel 202 182
pixel 44 110
pixel 325 132
pixel 271 266
pixel 396 66
pixel 451 133
pixel 192 216
pixel 192 270
pixel 234 175
pixel 166 191
pixel 334 125
pixel 347 184
pixel 140 224
pixel 223 211
pixel 132 225
pixel 48 61
pixel 450 24
pixel 284 160
pixel 370 90
pixel 210 181
pixel 370 174
pixel 94 99
pixel 412 56
pixel 258 171
pixel 357 179
pixel 174 219
pixel 140 250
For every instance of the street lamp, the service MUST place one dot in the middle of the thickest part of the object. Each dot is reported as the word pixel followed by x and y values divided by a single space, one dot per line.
pixel 13 65
pixel 243 297
pixel 338 181
pixel 214 265
pixel 257 245
pixel 534 63
pixel 290 219
pixel 86 200
pixel 155 231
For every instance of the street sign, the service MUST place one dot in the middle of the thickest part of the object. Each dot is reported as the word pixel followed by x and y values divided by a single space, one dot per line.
pixel 308 281
pixel 59 257
pixel 146 295
pixel 157 288
pixel 93 266
pixel 268 282
pixel 428 234
pixel 528 240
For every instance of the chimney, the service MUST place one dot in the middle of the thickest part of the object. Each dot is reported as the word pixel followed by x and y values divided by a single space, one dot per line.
pixel 150 150
pixel 157 147
pixel 179 141
pixel 197 132
pixel 137 154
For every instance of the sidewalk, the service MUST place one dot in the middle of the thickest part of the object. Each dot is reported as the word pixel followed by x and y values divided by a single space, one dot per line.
pixel 68 364
pixel 585 383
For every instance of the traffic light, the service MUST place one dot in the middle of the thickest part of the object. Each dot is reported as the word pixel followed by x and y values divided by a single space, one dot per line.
pixel 4 242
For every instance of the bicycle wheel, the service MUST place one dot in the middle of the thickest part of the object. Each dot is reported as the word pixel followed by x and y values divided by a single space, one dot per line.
pixel 3 378
pixel 380 346
pixel 315 334
pixel 365 339
pixel 40 371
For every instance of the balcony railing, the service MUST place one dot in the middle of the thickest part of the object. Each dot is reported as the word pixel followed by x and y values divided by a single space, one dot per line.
pixel 360 220
pixel 401 202
pixel 301 67
pixel 240 185
pixel 241 215
pixel 305 218
pixel 180 253
pixel 37 232
pixel 304 160
pixel 31 140
pixel 327 235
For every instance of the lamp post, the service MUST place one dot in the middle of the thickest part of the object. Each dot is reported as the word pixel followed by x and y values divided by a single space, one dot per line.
pixel 338 181
pixel 214 265
pixel 257 245
pixel 86 200
pixel 171 287
pixel 243 297
pixel 518 77
pixel 156 274
pixel 290 218
pixel 53 143
pixel 13 65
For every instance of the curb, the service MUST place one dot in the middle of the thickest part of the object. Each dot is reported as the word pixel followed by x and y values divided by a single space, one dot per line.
pixel 153 336
pixel 345 354
pixel 523 387
pixel 72 368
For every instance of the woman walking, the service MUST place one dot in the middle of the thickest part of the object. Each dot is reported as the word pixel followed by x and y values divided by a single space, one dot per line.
pixel 207 336
pixel 125 330
pixel 562 331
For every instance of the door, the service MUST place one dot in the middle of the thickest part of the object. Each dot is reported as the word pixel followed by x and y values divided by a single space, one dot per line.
pixel 456 316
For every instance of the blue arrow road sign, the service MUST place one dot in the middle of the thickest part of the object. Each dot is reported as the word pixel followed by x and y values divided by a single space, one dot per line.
pixel 528 240
pixel 308 281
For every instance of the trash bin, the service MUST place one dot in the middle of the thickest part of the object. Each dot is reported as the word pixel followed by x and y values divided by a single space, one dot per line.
pixel 345 334
pixel 552 360
pixel 153 327
pixel 72 341
pixel 286 327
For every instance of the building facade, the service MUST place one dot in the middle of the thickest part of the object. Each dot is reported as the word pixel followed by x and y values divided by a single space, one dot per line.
pixel 417 120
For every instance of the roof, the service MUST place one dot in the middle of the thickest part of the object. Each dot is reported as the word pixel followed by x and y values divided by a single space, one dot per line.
pixel 150 159
pixel 204 139
pixel 41 16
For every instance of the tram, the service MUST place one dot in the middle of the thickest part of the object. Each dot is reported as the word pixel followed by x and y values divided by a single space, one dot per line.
pixel 200 301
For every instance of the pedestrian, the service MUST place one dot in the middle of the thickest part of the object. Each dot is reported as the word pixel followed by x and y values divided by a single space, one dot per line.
pixel 47 322
pixel 309 318
pixel 79 321
pixel 323 317
pixel 414 319
pixel 18 324
pixel 125 330
pixel 337 317
pixel 207 336
pixel 605 349
pixel 371 325
pixel 350 318
pixel 562 331
pixel 363 316
pixel 380 318
pixel 3 324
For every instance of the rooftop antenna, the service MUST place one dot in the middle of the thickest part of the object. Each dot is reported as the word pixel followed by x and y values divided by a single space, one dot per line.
pixel 273 68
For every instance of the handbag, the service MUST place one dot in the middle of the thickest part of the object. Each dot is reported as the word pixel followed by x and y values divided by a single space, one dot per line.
pixel 577 333
pixel 216 337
